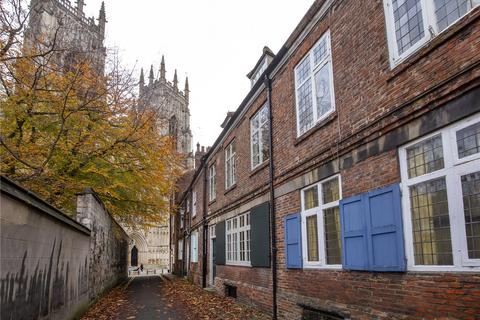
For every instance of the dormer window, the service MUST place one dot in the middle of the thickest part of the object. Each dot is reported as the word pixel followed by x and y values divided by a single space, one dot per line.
pixel 260 66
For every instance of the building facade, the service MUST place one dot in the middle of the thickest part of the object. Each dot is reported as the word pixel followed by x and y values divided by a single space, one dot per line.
pixel 58 26
pixel 347 183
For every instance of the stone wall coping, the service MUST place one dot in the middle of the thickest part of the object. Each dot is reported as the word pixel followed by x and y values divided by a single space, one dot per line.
pixel 18 192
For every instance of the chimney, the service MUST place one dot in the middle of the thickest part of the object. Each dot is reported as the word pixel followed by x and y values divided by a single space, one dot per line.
pixel 198 155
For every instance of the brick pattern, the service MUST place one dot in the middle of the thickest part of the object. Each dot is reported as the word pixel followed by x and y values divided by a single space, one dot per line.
pixel 371 99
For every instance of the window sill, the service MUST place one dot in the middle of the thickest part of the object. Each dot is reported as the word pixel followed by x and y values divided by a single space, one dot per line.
pixel 239 264
pixel 316 127
pixel 403 64
pixel 322 267
pixel 259 168
pixel 230 188
pixel 212 201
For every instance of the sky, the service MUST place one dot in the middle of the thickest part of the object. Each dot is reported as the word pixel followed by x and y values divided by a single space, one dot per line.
pixel 213 42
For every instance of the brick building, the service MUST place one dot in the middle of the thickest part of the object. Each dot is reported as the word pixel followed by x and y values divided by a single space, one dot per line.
pixel 347 182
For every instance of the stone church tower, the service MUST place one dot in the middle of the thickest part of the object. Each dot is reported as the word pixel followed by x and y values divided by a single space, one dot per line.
pixel 172 106
pixel 59 25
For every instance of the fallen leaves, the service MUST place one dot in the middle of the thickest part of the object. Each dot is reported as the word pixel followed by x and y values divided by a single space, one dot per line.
pixel 202 304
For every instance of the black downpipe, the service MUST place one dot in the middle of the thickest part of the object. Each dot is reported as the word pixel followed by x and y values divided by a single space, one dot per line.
pixel 268 85
pixel 205 226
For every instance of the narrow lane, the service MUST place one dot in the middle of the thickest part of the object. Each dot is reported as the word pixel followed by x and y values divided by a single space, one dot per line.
pixel 144 294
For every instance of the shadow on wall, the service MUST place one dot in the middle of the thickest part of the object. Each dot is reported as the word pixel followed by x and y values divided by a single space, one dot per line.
pixel 40 294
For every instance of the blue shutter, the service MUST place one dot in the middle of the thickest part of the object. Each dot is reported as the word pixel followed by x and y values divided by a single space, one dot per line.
pixel 385 229
pixel 293 241
pixel 354 233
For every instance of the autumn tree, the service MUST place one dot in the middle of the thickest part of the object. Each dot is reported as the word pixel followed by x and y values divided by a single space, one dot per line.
pixel 68 127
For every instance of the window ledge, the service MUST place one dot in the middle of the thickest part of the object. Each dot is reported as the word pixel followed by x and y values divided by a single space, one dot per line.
pixel 405 63
pixel 259 168
pixel 212 201
pixel 230 188
pixel 316 127
pixel 239 264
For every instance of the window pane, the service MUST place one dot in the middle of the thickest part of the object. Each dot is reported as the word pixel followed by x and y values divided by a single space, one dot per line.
pixel 471 204
pixel 303 70
pixel 468 140
pixel 255 122
pixel 333 243
pixel 448 11
pixel 320 51
pixel 310 198
pixel 425 157
pixel 305 106
pixel 408 20
pixel 312 238
pixel 322 90
pixel 255 149
pixel 330 191
pixel 431 223
pixel 265 141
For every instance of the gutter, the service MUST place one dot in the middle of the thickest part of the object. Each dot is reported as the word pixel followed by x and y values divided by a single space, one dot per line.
pixel 268 86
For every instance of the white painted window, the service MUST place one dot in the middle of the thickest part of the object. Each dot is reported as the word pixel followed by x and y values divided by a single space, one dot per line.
pixel 441 198
pixel 212 184
pixel 259 72
pixel 411 23
pixel 230 166
pixel 238 240
pixel 259 137
pixel 321 237
pixel 194 246
pixel 315 98
pixel 180 249
pixel 182 218
pixel 194 204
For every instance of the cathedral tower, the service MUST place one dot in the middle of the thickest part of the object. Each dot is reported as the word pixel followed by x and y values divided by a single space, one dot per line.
pixel 172 106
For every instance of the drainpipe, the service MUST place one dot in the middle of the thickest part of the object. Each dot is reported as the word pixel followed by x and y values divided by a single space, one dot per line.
pixel 268 86
pixel 205 226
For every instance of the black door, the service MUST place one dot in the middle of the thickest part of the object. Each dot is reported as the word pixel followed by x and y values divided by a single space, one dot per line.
pixel 214 264
pixel 134 256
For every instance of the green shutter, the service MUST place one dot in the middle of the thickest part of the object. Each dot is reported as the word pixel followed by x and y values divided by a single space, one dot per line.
pixel 260 235
pixel 220 243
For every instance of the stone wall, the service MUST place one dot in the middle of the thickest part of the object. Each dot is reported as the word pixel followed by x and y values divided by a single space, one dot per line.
pixel 51 266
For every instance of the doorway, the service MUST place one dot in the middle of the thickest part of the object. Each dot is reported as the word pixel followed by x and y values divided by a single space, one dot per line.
pixel 134 257
pixel 213 253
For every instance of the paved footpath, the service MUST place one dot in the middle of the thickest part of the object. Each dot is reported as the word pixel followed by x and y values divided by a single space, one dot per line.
pixel 144 294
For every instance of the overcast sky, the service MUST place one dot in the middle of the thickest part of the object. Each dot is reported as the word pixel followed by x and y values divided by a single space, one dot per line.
pixel 215 42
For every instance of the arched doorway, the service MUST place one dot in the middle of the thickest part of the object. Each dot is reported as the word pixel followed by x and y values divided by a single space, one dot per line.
pixel 134 256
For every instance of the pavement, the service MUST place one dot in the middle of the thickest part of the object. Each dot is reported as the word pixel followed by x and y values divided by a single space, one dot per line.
pixel 147 301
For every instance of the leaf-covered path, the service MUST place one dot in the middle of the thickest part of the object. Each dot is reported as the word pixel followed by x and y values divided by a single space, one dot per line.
pixel 155 297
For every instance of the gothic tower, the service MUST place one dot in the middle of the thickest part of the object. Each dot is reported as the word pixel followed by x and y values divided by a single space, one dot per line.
pixel 172 106
pixel 58 24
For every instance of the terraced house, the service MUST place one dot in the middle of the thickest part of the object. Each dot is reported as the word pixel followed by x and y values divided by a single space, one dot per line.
pixel 346 185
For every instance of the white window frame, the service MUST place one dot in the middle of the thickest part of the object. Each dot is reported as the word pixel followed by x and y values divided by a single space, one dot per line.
pixel 230 165
pixel 194 204
pixel 194 246
pixel 313 70
pixel 430 29
pixel 318 211
pixel 236 232
pixel 452 172
pixel 180 249
pixel 260 137
pixel 212 182
pixel 182 218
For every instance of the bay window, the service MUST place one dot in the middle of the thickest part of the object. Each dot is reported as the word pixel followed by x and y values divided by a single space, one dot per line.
pixel 441 188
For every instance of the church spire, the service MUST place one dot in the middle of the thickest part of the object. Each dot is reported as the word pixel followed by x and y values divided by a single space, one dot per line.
pixel 162 69
pixel 150 77
pixel 187 89
pixel 102 19
pixel 142 78
pixel 175 80
pixel 80 5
